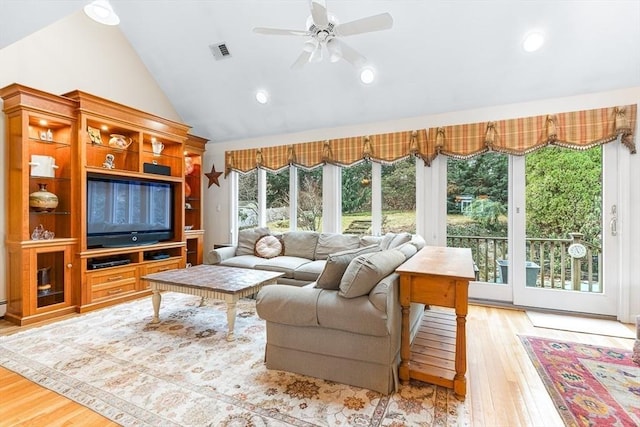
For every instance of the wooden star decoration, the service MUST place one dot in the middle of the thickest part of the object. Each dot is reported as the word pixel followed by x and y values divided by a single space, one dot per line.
pixel 213 176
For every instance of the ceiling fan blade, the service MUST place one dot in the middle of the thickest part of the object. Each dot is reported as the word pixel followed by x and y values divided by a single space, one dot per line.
pixel 316 55
pixel 349 54
pixel 335 50
pixel 319 13
pixel 384 21
pixel 280 32
pixel 302 59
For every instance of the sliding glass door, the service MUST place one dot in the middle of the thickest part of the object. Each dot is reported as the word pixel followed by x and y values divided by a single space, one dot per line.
pixel 541 227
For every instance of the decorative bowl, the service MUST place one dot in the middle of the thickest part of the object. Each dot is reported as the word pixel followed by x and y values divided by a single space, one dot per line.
pixel 119 141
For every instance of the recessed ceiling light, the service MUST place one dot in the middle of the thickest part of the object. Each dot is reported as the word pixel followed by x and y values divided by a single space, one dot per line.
pixel 367 76
pixel 262 96
pixel 533 41
pixel 102 12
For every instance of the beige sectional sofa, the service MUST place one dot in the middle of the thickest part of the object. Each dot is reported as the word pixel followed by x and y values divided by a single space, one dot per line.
pixel 304 253
pixel 342 322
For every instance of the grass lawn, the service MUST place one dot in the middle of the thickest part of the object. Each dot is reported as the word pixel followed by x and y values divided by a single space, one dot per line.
pixel 393 221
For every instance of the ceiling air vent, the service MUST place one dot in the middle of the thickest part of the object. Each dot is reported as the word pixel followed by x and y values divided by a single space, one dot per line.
pixel 220 50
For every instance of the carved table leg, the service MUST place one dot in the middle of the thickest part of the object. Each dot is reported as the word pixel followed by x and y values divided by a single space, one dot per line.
pixel 405 345
pixel 231 319
pixel 155 299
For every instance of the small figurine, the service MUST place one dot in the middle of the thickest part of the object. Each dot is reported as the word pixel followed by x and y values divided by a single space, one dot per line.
pixel 37 233
pixel 108 162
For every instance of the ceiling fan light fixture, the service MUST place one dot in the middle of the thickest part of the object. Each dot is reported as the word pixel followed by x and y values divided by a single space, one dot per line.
pixel 533 41
pixel 102 12
pixel 367 75
pixel 262 96
pixel 310 46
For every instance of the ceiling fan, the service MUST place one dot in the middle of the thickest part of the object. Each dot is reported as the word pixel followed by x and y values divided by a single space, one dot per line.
pixel 324 32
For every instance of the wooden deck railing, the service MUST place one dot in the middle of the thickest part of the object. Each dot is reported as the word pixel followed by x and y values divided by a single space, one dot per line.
pixel 549 265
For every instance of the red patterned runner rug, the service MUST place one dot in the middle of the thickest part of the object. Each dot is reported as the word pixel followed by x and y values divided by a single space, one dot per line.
pixel 589 385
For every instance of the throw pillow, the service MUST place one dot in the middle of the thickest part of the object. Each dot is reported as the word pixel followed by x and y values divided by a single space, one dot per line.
pixel 393 240
pixel 407 249
pixel 268 247
pixel 247 239
pixel 329 243
pixel 336 265
pixel 300 244
pixel 365 271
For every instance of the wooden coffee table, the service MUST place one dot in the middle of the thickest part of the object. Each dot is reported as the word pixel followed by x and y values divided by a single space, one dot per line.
pixel 210 281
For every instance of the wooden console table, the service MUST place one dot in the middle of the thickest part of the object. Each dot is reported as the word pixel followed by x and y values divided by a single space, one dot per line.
pixel 437 276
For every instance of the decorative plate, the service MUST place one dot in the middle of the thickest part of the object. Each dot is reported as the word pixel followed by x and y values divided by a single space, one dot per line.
pixel 94 135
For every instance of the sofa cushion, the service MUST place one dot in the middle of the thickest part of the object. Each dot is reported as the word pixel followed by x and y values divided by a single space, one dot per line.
pixel 393 240
pixel 242 261
pixel 329 243
pixel 301 244
pixel 370 240
pixel 310 271
pixel 407 249
pixel 268 247
pixel 247 239
pixel 365 271
pixel 418 241
pixel 356 315
pixel 336 265
pixel 288 305
pixel 282 264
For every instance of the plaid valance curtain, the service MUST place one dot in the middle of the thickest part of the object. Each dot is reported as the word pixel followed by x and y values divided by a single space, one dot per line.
pixel 384 148
pixel 577 130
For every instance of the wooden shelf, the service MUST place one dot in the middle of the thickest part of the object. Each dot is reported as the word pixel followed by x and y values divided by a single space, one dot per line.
pixel 75 133
pixel 433 350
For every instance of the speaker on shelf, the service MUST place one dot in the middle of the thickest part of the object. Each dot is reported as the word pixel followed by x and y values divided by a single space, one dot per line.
pixel 157 169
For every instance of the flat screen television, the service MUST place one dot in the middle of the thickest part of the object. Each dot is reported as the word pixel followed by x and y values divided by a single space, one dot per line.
pixel 128 211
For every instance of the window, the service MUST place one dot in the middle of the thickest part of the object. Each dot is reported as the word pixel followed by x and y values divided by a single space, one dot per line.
pixel 278 200
pixel 477 201
pixel 371 198
pixel 356 198
pixel 399 196
pixel 248 200
pixel 309 199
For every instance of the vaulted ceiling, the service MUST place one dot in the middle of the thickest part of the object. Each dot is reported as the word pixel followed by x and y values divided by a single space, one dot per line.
pixel 440 56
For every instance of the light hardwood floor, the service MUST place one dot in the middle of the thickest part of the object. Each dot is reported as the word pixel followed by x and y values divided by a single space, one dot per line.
pixel 503 388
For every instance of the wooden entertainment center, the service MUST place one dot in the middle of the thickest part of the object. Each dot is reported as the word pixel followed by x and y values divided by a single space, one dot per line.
pixel 53 144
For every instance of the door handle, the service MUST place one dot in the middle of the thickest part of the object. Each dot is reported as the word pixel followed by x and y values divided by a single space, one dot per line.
pixel 612 226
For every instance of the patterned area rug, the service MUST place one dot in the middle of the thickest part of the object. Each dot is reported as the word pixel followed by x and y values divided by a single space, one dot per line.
pixel 182 371
pixel 590 385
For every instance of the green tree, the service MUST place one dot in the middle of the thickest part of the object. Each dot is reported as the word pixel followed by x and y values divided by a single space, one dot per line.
pixel 356 197
pixel 278 188
pixel 399 186
pixel 484 175
pixel 564 193
pixel 488 213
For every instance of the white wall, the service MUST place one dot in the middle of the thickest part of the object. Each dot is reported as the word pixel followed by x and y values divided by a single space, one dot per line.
pixel 77 53
pixel 217 221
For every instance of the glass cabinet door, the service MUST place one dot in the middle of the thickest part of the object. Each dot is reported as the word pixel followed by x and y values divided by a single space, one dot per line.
pixel 52 272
